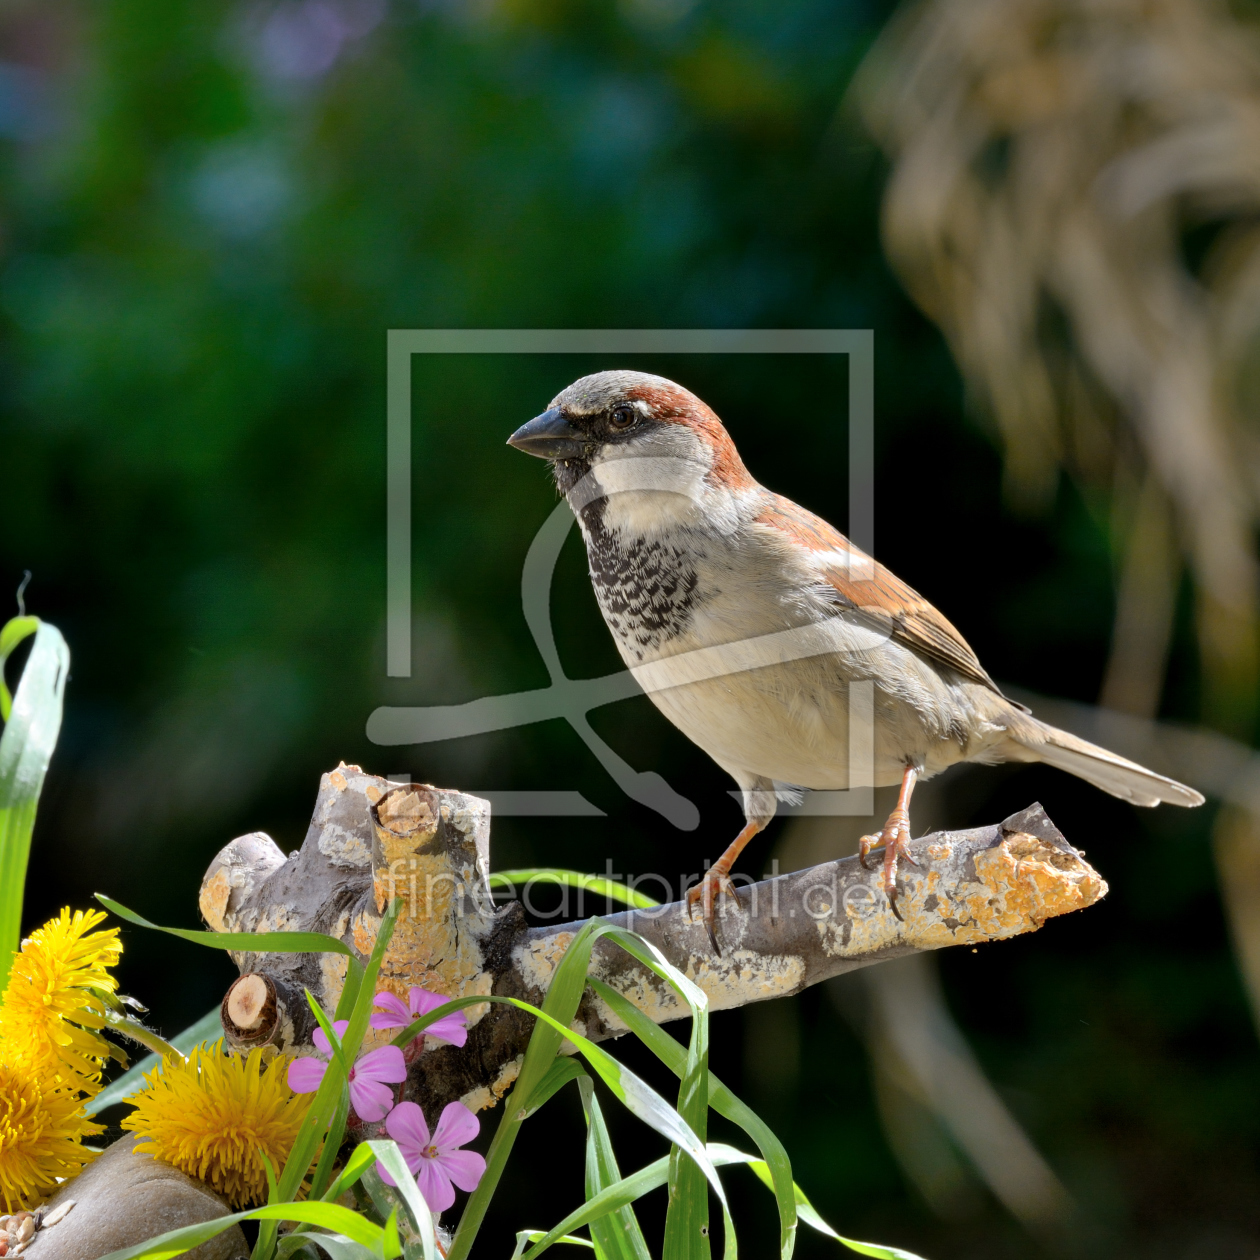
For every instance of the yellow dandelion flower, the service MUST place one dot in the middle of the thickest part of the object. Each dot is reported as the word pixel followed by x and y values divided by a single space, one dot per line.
pixel 211 1114
pixel 50 1017
pixel 41 1128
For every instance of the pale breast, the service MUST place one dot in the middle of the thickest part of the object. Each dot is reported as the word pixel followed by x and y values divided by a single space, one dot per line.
pixel 675 598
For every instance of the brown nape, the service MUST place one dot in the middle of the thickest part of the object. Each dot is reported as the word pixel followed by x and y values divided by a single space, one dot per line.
pixel 675 405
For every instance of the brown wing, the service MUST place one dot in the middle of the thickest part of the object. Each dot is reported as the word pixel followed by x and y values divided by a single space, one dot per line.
pixel 914 621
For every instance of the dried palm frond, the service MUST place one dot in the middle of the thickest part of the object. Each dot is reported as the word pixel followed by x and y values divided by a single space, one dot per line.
pixel 1075 200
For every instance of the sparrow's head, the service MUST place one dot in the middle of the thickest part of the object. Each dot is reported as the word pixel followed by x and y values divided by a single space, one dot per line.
pixel 609 417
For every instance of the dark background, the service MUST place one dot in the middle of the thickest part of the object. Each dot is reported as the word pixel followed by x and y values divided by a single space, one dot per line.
pixel 211 213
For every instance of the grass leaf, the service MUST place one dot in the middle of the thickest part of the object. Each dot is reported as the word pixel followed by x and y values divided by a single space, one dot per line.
pixel 32 724
pixel 13 632
pixel 328 1097
pixel 627 1190
pixel 618 1195
pixel 240 942
pixel 643 1101
pixel 561 1072
pixel 332 1216
pixel 805 1209
pixel 563 995
pixel 527 1236
pixel 724 1102
pixel 617 1236
pixel 361 1159
pixel 559 1007
pixel 332 1146
pixel 597 884
pixel 391 1158
pixel 338 1246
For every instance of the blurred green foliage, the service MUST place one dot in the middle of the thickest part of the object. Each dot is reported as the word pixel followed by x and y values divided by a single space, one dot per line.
pixel 211 213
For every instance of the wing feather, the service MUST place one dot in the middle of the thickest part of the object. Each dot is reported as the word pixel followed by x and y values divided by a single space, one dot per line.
pixel 867 585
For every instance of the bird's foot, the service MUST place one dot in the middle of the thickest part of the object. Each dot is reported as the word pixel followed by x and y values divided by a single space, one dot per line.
pixel 895 837
pixel 716 881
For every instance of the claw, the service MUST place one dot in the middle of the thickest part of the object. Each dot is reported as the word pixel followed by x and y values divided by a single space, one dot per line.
pixel 716 881
pixel 892 905
pixel 895 837
pixel 865 845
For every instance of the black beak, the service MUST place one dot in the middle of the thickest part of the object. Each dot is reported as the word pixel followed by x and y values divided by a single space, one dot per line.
pixel 549 436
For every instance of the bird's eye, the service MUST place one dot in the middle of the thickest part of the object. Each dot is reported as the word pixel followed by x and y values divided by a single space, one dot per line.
pixel 623 417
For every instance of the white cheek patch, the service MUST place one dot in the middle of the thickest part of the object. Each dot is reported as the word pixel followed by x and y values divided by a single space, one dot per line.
pixel 662 474
pixel 651 484
pixel 648 494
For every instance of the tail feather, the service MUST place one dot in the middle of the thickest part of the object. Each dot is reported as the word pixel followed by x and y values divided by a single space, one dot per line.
pixel 1105 770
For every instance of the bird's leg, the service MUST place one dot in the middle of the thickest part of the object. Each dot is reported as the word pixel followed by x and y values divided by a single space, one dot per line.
pixel 718 878
pixel 895 837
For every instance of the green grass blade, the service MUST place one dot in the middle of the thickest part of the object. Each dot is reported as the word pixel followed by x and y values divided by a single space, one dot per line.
pixel 807 1212
pixel 634 1093
pixel 338 1246
pixel 361 1159
pixel 391 1157
pixel 559 1074
pixel 724 1102
pixel 644 1102
pixel 273 1194
pixel 620 1194
pixel 687 1217
pixel 563 995
pixel 331 1216
pixel 652 958
pixel 207 1028
pixel 626 1191
pixel 350 987
pixel 240 942
pixel 326 1026
pixel 721 1154
pixel 527 1236
pixel 618 1235
pixel 597 884
pixel 12 633
pixel 328 1097
pixel 332 1145
pixel 32 724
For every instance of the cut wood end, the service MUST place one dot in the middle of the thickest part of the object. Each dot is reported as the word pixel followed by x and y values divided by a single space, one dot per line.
pixel 1020 883
pixel 250 1007
pixel 405 811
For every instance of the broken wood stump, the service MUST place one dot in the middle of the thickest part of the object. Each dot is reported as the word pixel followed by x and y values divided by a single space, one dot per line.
pixel 371 840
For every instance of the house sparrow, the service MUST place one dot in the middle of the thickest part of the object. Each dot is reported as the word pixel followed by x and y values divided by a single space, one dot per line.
pixel 750 618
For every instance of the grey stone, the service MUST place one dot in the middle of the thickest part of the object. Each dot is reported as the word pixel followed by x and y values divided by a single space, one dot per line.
pixel 124 1197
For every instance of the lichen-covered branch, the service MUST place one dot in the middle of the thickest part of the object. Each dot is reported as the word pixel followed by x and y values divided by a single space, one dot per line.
pixel 370 840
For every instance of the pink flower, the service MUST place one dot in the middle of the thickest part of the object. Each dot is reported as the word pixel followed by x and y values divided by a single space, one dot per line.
pixel 451 1029
pixel 436 1161
pixel 371 1077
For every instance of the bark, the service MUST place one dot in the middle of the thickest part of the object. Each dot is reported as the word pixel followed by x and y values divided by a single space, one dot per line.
pixel 370 840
